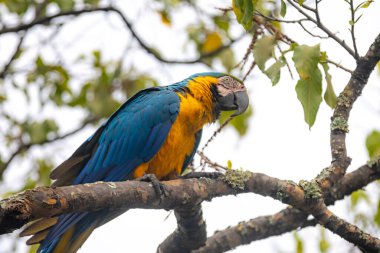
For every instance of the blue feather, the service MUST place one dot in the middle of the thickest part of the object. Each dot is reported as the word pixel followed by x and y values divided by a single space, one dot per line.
pixel 132 135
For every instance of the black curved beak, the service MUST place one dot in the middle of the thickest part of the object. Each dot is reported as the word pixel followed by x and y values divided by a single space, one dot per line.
pixel 238 101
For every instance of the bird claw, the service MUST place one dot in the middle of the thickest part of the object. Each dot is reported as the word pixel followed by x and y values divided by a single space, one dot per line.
pixel 158 187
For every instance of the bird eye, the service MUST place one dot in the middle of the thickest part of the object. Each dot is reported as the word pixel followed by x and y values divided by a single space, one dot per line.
pixel 230 83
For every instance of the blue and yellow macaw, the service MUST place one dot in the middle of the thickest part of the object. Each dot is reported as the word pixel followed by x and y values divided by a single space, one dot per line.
pixel 157 131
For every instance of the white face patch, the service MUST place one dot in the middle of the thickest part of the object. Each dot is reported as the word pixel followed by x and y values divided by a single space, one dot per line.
pixel 228 84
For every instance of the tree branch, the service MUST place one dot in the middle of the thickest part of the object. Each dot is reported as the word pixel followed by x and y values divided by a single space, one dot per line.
pixel 47 19
pixel 323 28
pixel 25 146
pixel 288 219
pixel 290 40
pixel 13 57
pixel 47 201
pixel 339 120
pixel 253 230
pixel 190 233
pixel 352 30
pixel 340 66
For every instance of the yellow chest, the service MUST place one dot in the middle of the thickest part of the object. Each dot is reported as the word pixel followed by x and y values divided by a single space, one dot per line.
pixel 193 115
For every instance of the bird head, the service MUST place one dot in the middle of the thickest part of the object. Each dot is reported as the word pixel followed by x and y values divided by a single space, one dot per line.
pixel 231 95
pixel 217 91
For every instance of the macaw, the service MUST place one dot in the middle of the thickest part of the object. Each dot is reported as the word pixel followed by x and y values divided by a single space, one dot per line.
pixel 157 131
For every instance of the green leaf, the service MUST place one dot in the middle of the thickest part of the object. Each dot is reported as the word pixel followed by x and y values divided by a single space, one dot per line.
pixel 186 171
pixel 38 131
pixel 299 242
pixel 227 59
pixel 44 169
pixel 263 50
pixel 376 218
pixel 330 96
pixel 274 71
pixel 222 22
pixel 243 10
pixel 2 98
pixel 92 2
pixel 309 87
pixel 357 196
pixel 283 8
pixel 229 164
pixel 300 2
pixel 324 244
pixel 33 248
pixel 366 4
pixel 65 5
pixel 372 143
pixel 240 124
pixel 17 6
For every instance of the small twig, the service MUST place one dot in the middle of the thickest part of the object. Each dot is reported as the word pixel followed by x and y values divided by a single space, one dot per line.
pixel 323 28
pixel 13 57
pixel 352 30
pixel 47 19
pixel 212 164
pixel 249 70
pixel 281 20
pixel 25 146
pixel 317 12
pixel 286 62
pixel 217 131
pixel 306 7
pixel 340 66
pixel 256 33
pixel 224 10
pixel 312 34
pixel 273 30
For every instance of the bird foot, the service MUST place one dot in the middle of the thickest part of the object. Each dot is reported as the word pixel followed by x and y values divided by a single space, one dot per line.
pixel 158 187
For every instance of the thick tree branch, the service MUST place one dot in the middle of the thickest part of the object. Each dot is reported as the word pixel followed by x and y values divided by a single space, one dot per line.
pixel 254 229
pixel 47 201
pixel 346 230
pixel 339 120
pixel 190 233
pixel 286 220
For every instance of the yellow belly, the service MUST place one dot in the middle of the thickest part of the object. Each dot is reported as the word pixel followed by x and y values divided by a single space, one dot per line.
pixel 170 157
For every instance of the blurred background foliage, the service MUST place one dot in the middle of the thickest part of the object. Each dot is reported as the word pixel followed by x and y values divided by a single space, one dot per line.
pixel 90 87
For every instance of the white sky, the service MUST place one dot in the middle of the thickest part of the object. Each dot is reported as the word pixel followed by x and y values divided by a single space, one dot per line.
pixel 278 143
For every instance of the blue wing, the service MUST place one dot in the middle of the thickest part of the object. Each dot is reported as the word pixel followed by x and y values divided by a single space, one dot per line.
pixel 131 136
pixel 198 137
